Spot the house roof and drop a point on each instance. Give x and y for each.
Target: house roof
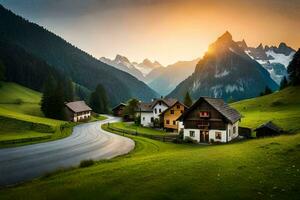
(172, 107)
(78, 106)
(120, 104)
(220, 105)
(147, 107)
(169, 102)
(269, 125)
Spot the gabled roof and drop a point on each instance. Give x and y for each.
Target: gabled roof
(147, 107)
(168, 102)
(269, 125)
(78, 106)
(120, 104)
(223, 108)
(172, 107)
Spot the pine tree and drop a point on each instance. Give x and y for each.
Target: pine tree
(294, 69)
(130, 109)
(98, 100)
(2, 71)
(188, 100)
(283, 83)
(47, 103)
(68, 89)
(53, 99)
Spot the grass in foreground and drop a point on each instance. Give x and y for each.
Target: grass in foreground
(256, 169)
(136, 128)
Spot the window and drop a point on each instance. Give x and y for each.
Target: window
(192, 133)
(155, 110)
(218, 135)
(167, 121)
(178, 106)
(181, 111)
(159, 103)
(174, 122)
(204, 114)
(152, 119)
(143, 118)
(172, 112)
(234, 130)
(159, 110)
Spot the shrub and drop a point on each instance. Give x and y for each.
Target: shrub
(190, 140)
(86, 163)
(19, 101)
(276, 103)
(212, 140)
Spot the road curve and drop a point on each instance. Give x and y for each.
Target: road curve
(88, 141)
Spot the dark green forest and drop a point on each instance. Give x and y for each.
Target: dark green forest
(81, 67)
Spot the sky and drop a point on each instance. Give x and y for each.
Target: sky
(162, 30)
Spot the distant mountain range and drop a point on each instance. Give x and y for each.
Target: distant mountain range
(165, 79)
(274, 59)
(138, 70)
(162, 79)
(84, 69)
(226, 71)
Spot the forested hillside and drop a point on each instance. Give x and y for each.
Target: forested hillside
(80, 66)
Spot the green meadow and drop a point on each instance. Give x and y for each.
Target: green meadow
(267, 168)
(21, 120)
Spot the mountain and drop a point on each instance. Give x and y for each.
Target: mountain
(169, 77)
(123, 63)
(147, 66)
(226, 71)
(274, 59)
(24, 68)
(84, 69)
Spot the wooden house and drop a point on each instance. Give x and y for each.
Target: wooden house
(211, 120)
(170, 116)
(118, 110)
(78, 111)
(150, 112)
(268, 129)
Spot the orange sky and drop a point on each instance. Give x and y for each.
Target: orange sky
(166, 31)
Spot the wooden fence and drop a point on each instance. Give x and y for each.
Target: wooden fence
(163, 138)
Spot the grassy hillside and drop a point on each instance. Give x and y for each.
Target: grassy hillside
(282, 107)
(21, 118)
(255, 169)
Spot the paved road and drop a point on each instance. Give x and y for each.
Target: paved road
(88, 141)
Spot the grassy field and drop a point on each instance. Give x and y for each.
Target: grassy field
(282, 107)
(136, 128)
(21, 118)
(255, 169)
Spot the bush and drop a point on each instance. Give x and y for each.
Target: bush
(277, 103)
(190, 140)
(19, 101)
(212, 140)
(86, 163)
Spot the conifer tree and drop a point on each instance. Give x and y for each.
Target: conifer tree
(294, 69)
(283, 83)
(98, 100)
(188, 100)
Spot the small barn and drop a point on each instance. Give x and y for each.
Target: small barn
(119, 109)
(268, 129)
(78, 111)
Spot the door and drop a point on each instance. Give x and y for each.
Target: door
(204, 136)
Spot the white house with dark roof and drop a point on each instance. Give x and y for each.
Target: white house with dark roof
(150, 112)
(78, 111)
(210, 120)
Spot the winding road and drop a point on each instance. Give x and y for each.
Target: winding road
(88, 141)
